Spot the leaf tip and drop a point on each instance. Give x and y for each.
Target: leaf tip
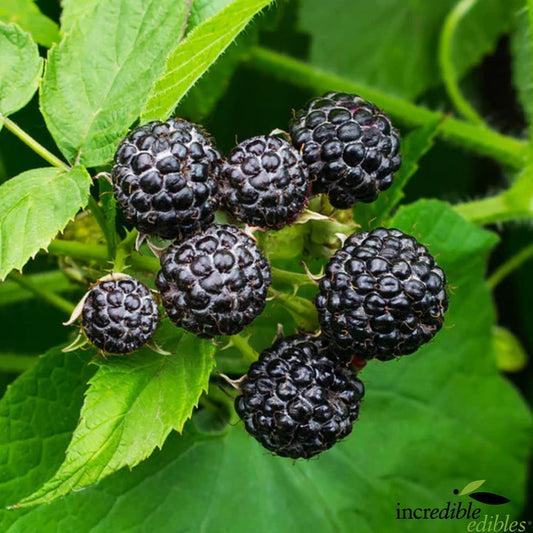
(472, 486)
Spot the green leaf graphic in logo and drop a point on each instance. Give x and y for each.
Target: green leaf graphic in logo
(471, 487)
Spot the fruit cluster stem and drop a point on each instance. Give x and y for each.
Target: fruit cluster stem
(124, 250)
(48, 156)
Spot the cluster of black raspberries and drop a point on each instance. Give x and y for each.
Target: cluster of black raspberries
(382, 294)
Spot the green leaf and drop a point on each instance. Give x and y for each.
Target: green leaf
(34, 206)
(27, 15)
(131, 406)
(521, 62)
(471, 487)
(20, 68)
(376, 58)
(510, 354)
(202, 10)
(422, 432)
(196, 54)
(414, 146)
(74, 10)
(97, 79)
(37, 416)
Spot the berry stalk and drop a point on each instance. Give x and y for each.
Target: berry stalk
(50, 297)
(99, 253)
(293, 279)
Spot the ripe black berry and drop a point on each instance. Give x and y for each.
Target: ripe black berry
(165, 178)
(297, 400)
(264, 182)
(350, 146)
(382, 295)
(119, 316)
(214, 283)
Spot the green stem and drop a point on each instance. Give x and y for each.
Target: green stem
(506, 150)
(510, 266)
(55, 281)
(99, 216)
(447, 68)
(124, 250)
(490, 210)
(284, 277)
(244, 347)
(33, 144)
(16, 363)
(46, 295)
(301, 309)
(78, 250)
(108, 206)
(94, 252)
